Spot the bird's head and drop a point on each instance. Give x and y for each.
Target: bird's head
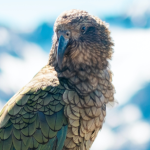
(81, 41)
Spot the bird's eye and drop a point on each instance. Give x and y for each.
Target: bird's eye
(83, 29)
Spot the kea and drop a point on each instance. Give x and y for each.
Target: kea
(63, 107)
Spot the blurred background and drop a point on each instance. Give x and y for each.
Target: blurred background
(26, 30)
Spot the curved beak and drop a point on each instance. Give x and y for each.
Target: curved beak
(61, 50)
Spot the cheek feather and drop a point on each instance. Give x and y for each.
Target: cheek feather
(75, 35)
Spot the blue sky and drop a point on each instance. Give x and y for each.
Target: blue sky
(21, 14)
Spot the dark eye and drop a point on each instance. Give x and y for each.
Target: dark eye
(83, 29)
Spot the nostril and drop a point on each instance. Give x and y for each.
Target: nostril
(67, 33)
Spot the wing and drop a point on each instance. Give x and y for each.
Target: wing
(34, 117)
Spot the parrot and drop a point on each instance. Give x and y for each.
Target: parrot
(64, 106)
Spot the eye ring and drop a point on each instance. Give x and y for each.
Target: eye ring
(83, 29)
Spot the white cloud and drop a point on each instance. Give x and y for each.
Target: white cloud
(17, 72)
(104, 140)
(136, 134)
(130, 61)
(139, 133)
(138, 8)
(4, 36)
(20, 14)
(130, 114)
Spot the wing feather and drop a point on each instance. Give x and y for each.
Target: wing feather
(34, 117)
